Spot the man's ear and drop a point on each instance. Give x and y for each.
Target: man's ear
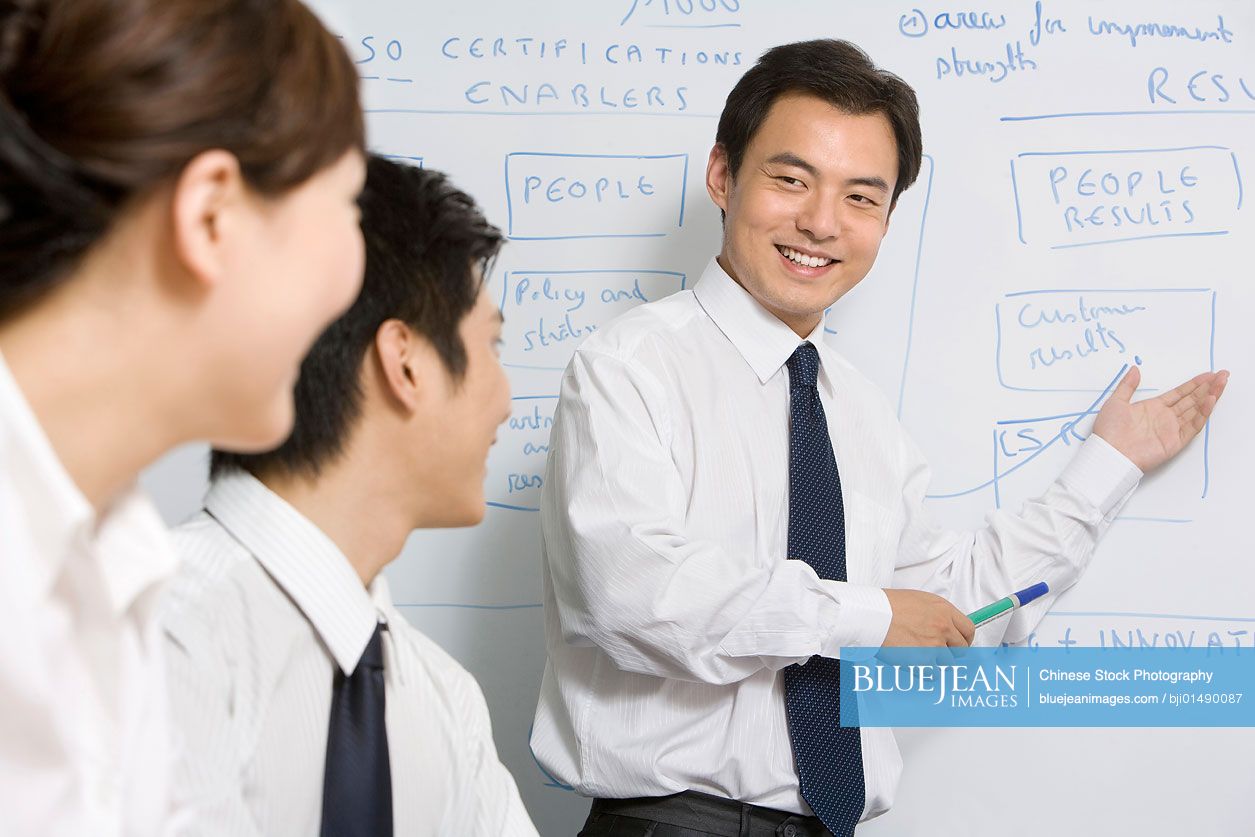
(402, 362)
(207, 196)
(718, 176)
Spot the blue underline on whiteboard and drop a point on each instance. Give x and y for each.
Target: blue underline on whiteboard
(531, 397)
(568, 237)
(466, 112)
(1087, 411)
(1039, 419)
(1109, 291)
(494, 505)
(1122, 151)
(1137, 238)
(528, 606)
(919, 254)
(542, 368)
(1193, 617)
(692, 26)
(1078, 391)
(1035, 117)
(1155, 519)
(595, 270)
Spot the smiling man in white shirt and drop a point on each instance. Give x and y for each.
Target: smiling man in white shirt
(705, 558)
(307, 704)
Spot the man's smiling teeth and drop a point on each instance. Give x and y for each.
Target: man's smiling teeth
(806, 261)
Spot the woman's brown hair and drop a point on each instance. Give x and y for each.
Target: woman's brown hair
(102, 101)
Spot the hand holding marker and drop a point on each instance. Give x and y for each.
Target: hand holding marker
(1002, 607)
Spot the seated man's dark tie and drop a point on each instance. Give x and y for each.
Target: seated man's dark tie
(357, 785)
(829, 757)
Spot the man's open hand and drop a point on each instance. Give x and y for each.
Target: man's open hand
(1152, 431)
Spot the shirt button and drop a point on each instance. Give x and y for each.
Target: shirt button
(790, 830)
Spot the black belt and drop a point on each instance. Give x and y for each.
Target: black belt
(714, 815)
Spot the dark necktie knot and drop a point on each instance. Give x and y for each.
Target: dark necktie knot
(803, 367)
(372, 656)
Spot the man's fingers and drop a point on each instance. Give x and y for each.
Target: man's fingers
(1128, 385)
(961, 631)
(1219, 383)
(1172, 396)
(1191, 398)
(966, 629)
(1202, 398)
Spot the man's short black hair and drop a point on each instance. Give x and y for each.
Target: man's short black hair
(423, 236)
(839, 73)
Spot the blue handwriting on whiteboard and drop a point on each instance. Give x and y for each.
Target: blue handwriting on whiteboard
(547, 335)
(1133, 31)
(1031, 316)
(689, 10)
(996, 69)
(548, 292)
(560, 188)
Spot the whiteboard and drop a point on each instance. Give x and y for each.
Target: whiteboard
(1083, 201)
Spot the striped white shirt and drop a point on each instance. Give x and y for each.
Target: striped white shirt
(263, 611)
(670, 606)
(84, 740)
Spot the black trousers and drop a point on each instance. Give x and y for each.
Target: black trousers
(692, 814)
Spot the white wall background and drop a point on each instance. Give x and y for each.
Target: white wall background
(993, 242)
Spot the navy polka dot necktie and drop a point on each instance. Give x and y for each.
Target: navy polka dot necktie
(357, 782)
(829, 757)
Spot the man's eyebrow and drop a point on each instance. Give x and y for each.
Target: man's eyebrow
(500, 317)
(874, 182)
(788, 158)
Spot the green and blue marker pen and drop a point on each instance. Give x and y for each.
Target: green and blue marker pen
(1002, 607)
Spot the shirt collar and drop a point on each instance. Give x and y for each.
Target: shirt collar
(134, 551)
(128, 542)
(763, 340)
(56, 512)
(304, 563)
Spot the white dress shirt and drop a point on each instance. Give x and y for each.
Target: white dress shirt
(669, 603)
(84, 745)
(263, 611)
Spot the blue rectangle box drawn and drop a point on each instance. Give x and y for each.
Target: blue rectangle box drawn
(1067, 199)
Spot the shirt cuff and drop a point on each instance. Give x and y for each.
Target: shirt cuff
(862, 620)
(1101, 474)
